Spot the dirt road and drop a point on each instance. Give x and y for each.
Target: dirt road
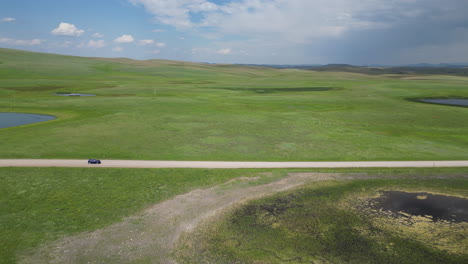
(227, 164)
(150, 236)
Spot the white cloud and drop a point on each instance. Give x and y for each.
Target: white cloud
(66, 29)
(176, 12)
(18, 42)
(7, 19)
(224, 51)
(313, 27)
(98, 35)
(146, 42)
(35, 42)
(97, 44)
(293, 21)
(155, 51)
(117, 49)
(160, 44)
(124, 39)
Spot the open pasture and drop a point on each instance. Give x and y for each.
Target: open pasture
(337, 222)
(43, 205)
(169, 110)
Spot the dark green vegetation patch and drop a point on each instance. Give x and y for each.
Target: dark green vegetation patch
(283, 90)
(315, 225)
(34, 88)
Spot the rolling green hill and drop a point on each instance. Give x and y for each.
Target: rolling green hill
(172, 110)
(394, 70)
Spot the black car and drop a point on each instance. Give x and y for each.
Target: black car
(94, 161)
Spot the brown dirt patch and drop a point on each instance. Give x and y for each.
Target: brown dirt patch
(149, 236)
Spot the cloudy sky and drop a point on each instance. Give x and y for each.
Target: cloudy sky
(358, 32)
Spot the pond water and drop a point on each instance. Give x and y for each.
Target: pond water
(18, 119)
(458, 102)
(74, 94)
(437, 207)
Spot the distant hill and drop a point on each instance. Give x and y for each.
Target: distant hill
(27, 62)
(458, 69)
(440, 65)
(305, 66)
(39, 63)
(283, 66)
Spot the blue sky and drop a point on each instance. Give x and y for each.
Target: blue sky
(243, 31)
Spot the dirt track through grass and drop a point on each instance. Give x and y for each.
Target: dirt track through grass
(149, 237)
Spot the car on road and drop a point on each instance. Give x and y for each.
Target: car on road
(94, 161)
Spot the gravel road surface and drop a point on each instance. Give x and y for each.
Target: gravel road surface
(227, 164)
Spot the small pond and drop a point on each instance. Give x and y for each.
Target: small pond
(437, 207)
(73, 94)
(457, 102)
(18, 119)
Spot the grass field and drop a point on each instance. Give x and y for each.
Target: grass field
(172, 110)
(169, 110)
(314, 224)
(38, 205)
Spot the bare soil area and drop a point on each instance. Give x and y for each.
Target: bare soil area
(149, 237)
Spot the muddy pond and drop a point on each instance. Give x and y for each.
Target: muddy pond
(18, 119)
(455, 102)
(433, 206)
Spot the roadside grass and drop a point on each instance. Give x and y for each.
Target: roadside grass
(42, 204)
(38, 205)
(170, 110)
(311, 225)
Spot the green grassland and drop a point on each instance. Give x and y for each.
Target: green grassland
(38, 205)
(170, 110)
(314, 224)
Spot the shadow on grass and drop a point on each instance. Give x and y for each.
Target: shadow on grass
(309, 225)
